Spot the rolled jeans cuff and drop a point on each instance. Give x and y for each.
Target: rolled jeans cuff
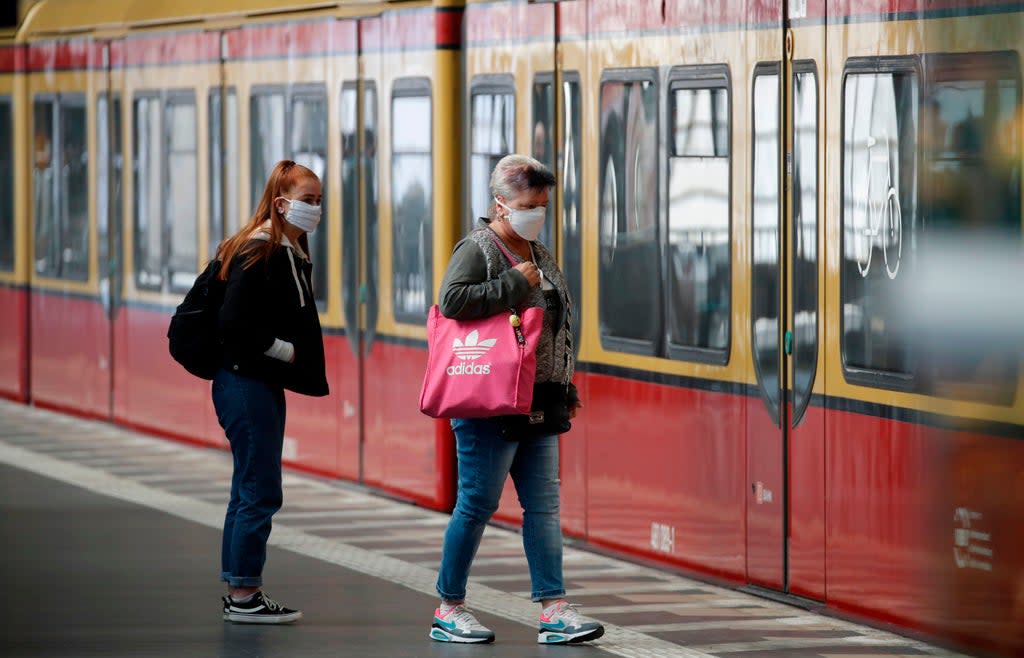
(547, 594)
(245, 581)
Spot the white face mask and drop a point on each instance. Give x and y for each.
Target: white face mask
(526, 223)
(302, 215)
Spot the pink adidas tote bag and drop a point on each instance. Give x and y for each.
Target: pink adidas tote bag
(480, 368)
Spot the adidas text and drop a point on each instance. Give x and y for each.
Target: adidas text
(470, 369)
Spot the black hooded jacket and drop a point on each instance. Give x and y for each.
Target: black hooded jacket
(273, 299)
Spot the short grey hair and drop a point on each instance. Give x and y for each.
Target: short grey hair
(515, 174)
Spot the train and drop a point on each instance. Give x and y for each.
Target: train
(743, 189)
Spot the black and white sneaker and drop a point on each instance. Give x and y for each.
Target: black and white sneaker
(260, 609)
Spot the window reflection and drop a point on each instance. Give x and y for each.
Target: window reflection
(61, 188)
(182, 179)
(542, 135)
(879, 215)
(765, 275)
(970, 137)
(571, 211)
(492, 135)
(412, 216)
(148, 194)
(266, 139)
(805, 238)
(630, 305)
(698, 218)
(44, 190)
(308, 141)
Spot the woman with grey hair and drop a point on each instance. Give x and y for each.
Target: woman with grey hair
(497, 267)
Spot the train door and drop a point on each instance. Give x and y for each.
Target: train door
(785, 459)
(360, 196)
(69, 328)
(109, 206)
(510, 100)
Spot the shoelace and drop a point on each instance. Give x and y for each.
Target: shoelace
(570, 613)
(271, 603)
(461, 615)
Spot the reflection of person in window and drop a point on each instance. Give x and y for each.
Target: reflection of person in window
(541, 143)
(42, 188)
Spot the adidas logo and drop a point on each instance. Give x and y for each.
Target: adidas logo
(473, 348)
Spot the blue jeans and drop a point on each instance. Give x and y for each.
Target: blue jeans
(252, 414)
(485, 460)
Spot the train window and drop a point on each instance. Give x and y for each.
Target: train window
(542, 139)
(359, 165)
(371, 194)
(44, 189)
(698, 244)
(266, 138)
(970, 135)
(630, 308)
(116, 228)
(764, 285)
(74, 189)
(181, 167)
(308, 121)
(232, 200)
(215, 230)
(7, 238)
(61, 188)
(350, 206)
(880, 170)
(411, 199)
(292, 124)
(570, 176)
(492, 136)
(149, 237)
(805, 234)
(104, 186)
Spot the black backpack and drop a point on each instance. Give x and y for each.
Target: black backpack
(192, 336)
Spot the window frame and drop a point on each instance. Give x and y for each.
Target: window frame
(701, 76)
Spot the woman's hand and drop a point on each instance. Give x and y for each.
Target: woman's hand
(530, 271)
(575, 408)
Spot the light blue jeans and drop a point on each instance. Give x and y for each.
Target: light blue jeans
(485, 460)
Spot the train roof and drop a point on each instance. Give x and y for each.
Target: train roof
(47, 19)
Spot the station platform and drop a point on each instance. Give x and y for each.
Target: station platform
(111, 544)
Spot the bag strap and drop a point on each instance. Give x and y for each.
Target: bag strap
(503, 249)
(520, 338)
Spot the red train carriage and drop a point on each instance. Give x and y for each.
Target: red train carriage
(744, 191)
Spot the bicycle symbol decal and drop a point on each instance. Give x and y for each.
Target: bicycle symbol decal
(885, 222)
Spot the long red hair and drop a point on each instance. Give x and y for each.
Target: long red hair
(283, 178)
